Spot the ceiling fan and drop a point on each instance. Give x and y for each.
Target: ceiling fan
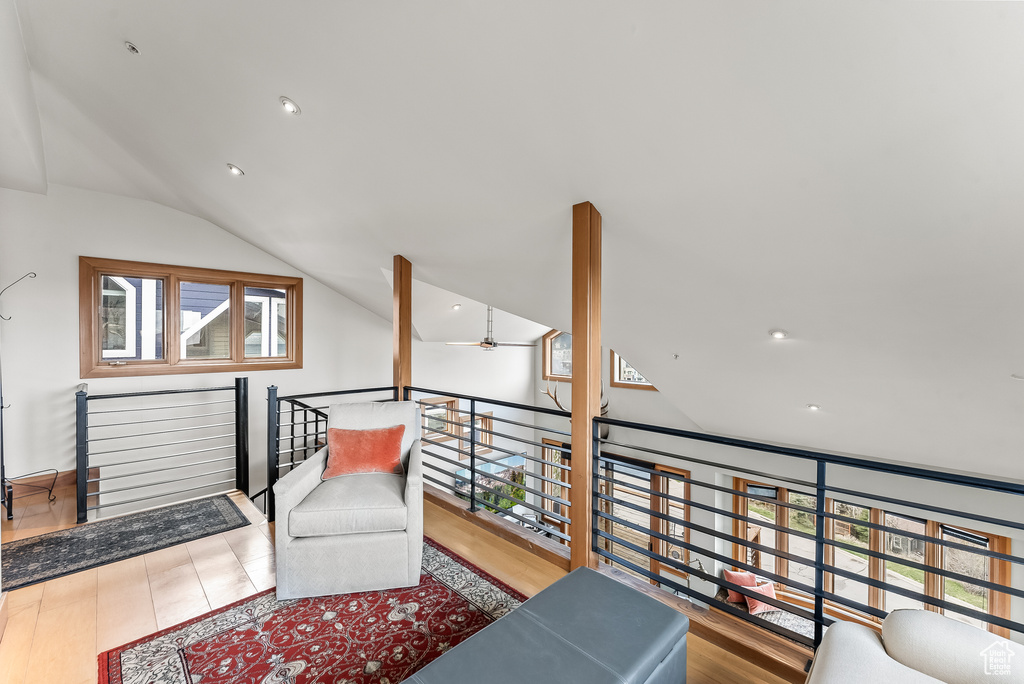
(488, 343)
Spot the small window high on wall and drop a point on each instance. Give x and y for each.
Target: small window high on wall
(624, 375)
(557, 347)
(150, 319)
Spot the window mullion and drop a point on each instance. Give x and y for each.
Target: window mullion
(876, 566)
(172, 318)
(237, 310)
(933, 584)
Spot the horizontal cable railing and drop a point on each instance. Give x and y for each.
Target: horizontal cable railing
(835, 537)
(510, 459)
(152, 462)
(297, 428)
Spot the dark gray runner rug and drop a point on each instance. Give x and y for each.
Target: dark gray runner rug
(48, 556)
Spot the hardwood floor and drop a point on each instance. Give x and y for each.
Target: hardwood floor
(56, 629)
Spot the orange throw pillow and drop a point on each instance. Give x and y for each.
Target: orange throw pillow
(754, 606)
(364, 451)
(744, 579)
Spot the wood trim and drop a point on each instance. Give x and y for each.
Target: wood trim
(876, 566)
(466, 430)
(545, 352)
(402, 323)
(663, 505)
(932, 558)
(3, 613)
(451, 414)
(586, 375)
(547, 470)
(540, 546)
(999, 573)
(613, 376)
(90, 365)
(766, 650)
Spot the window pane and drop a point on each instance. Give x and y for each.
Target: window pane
(847, 531)
(561, 355)
(205, 321)
(675, 488)
(626, 373)
(626, 479)
(896, 573)
(804, 521)
(266, 329)
(131, 318)
(761, 510)
(966, 563)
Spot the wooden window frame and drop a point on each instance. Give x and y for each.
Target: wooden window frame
(613, 375)
(998, 570)
(91, 270)
(546, 373)
(662, 505)
(486, 438)
(451, 415)
(548, 470)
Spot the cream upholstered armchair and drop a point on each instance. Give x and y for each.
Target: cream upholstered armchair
(356, 532)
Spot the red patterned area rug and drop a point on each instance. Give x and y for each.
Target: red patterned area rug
(378, 637)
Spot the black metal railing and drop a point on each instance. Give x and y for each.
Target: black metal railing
(838, 537)
(160, 444)
(498, 457)
(297, 428)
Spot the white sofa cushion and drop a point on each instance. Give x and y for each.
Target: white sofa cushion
(853, 654)
(942, 647)
(351, 504)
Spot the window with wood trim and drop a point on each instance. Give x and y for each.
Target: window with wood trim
(875, 531)
(554, 457)
(150, 319)
(441, 418)
(557, 353)
(624, 375)
(480, 434)
(675, 492)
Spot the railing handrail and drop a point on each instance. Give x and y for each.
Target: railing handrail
(154, 393)
(309, 395)
(493, 402)
(807, 454)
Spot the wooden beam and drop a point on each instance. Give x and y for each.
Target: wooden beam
(402, 323)
(586, 376)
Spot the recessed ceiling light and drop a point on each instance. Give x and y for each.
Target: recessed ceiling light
(778, 334)
(456, 307)
(130, 47)
(290, 106)
(813, 407)
(235, 170)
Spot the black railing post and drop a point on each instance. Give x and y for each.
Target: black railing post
(242, 435)
(406, 393)
(472, 455)
(82, 452)
(273, 413)
(595, 484)
(819, 555)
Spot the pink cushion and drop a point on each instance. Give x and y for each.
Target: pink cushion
(364, 451)
(754, 606)
(744, 579)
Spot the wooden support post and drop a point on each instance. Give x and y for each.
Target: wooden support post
(586, 376)
(402, 324)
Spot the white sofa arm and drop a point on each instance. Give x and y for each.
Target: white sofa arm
(295, 486)
(853, 654)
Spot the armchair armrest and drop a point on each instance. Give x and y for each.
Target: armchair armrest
(295, 486)
(414, 472)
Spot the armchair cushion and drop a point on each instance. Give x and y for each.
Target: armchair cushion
(364, 451)
(351, 504)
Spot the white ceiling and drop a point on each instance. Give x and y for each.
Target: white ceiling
(850, 171)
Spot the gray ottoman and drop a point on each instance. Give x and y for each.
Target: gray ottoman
(586, 627)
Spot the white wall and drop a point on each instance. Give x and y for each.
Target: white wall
(344, 345)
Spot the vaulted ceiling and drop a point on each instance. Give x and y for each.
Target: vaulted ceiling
(848, 171)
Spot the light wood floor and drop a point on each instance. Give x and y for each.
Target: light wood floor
(56, 629)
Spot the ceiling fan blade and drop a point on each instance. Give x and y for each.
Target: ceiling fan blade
(513, 344)
(464, 344)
